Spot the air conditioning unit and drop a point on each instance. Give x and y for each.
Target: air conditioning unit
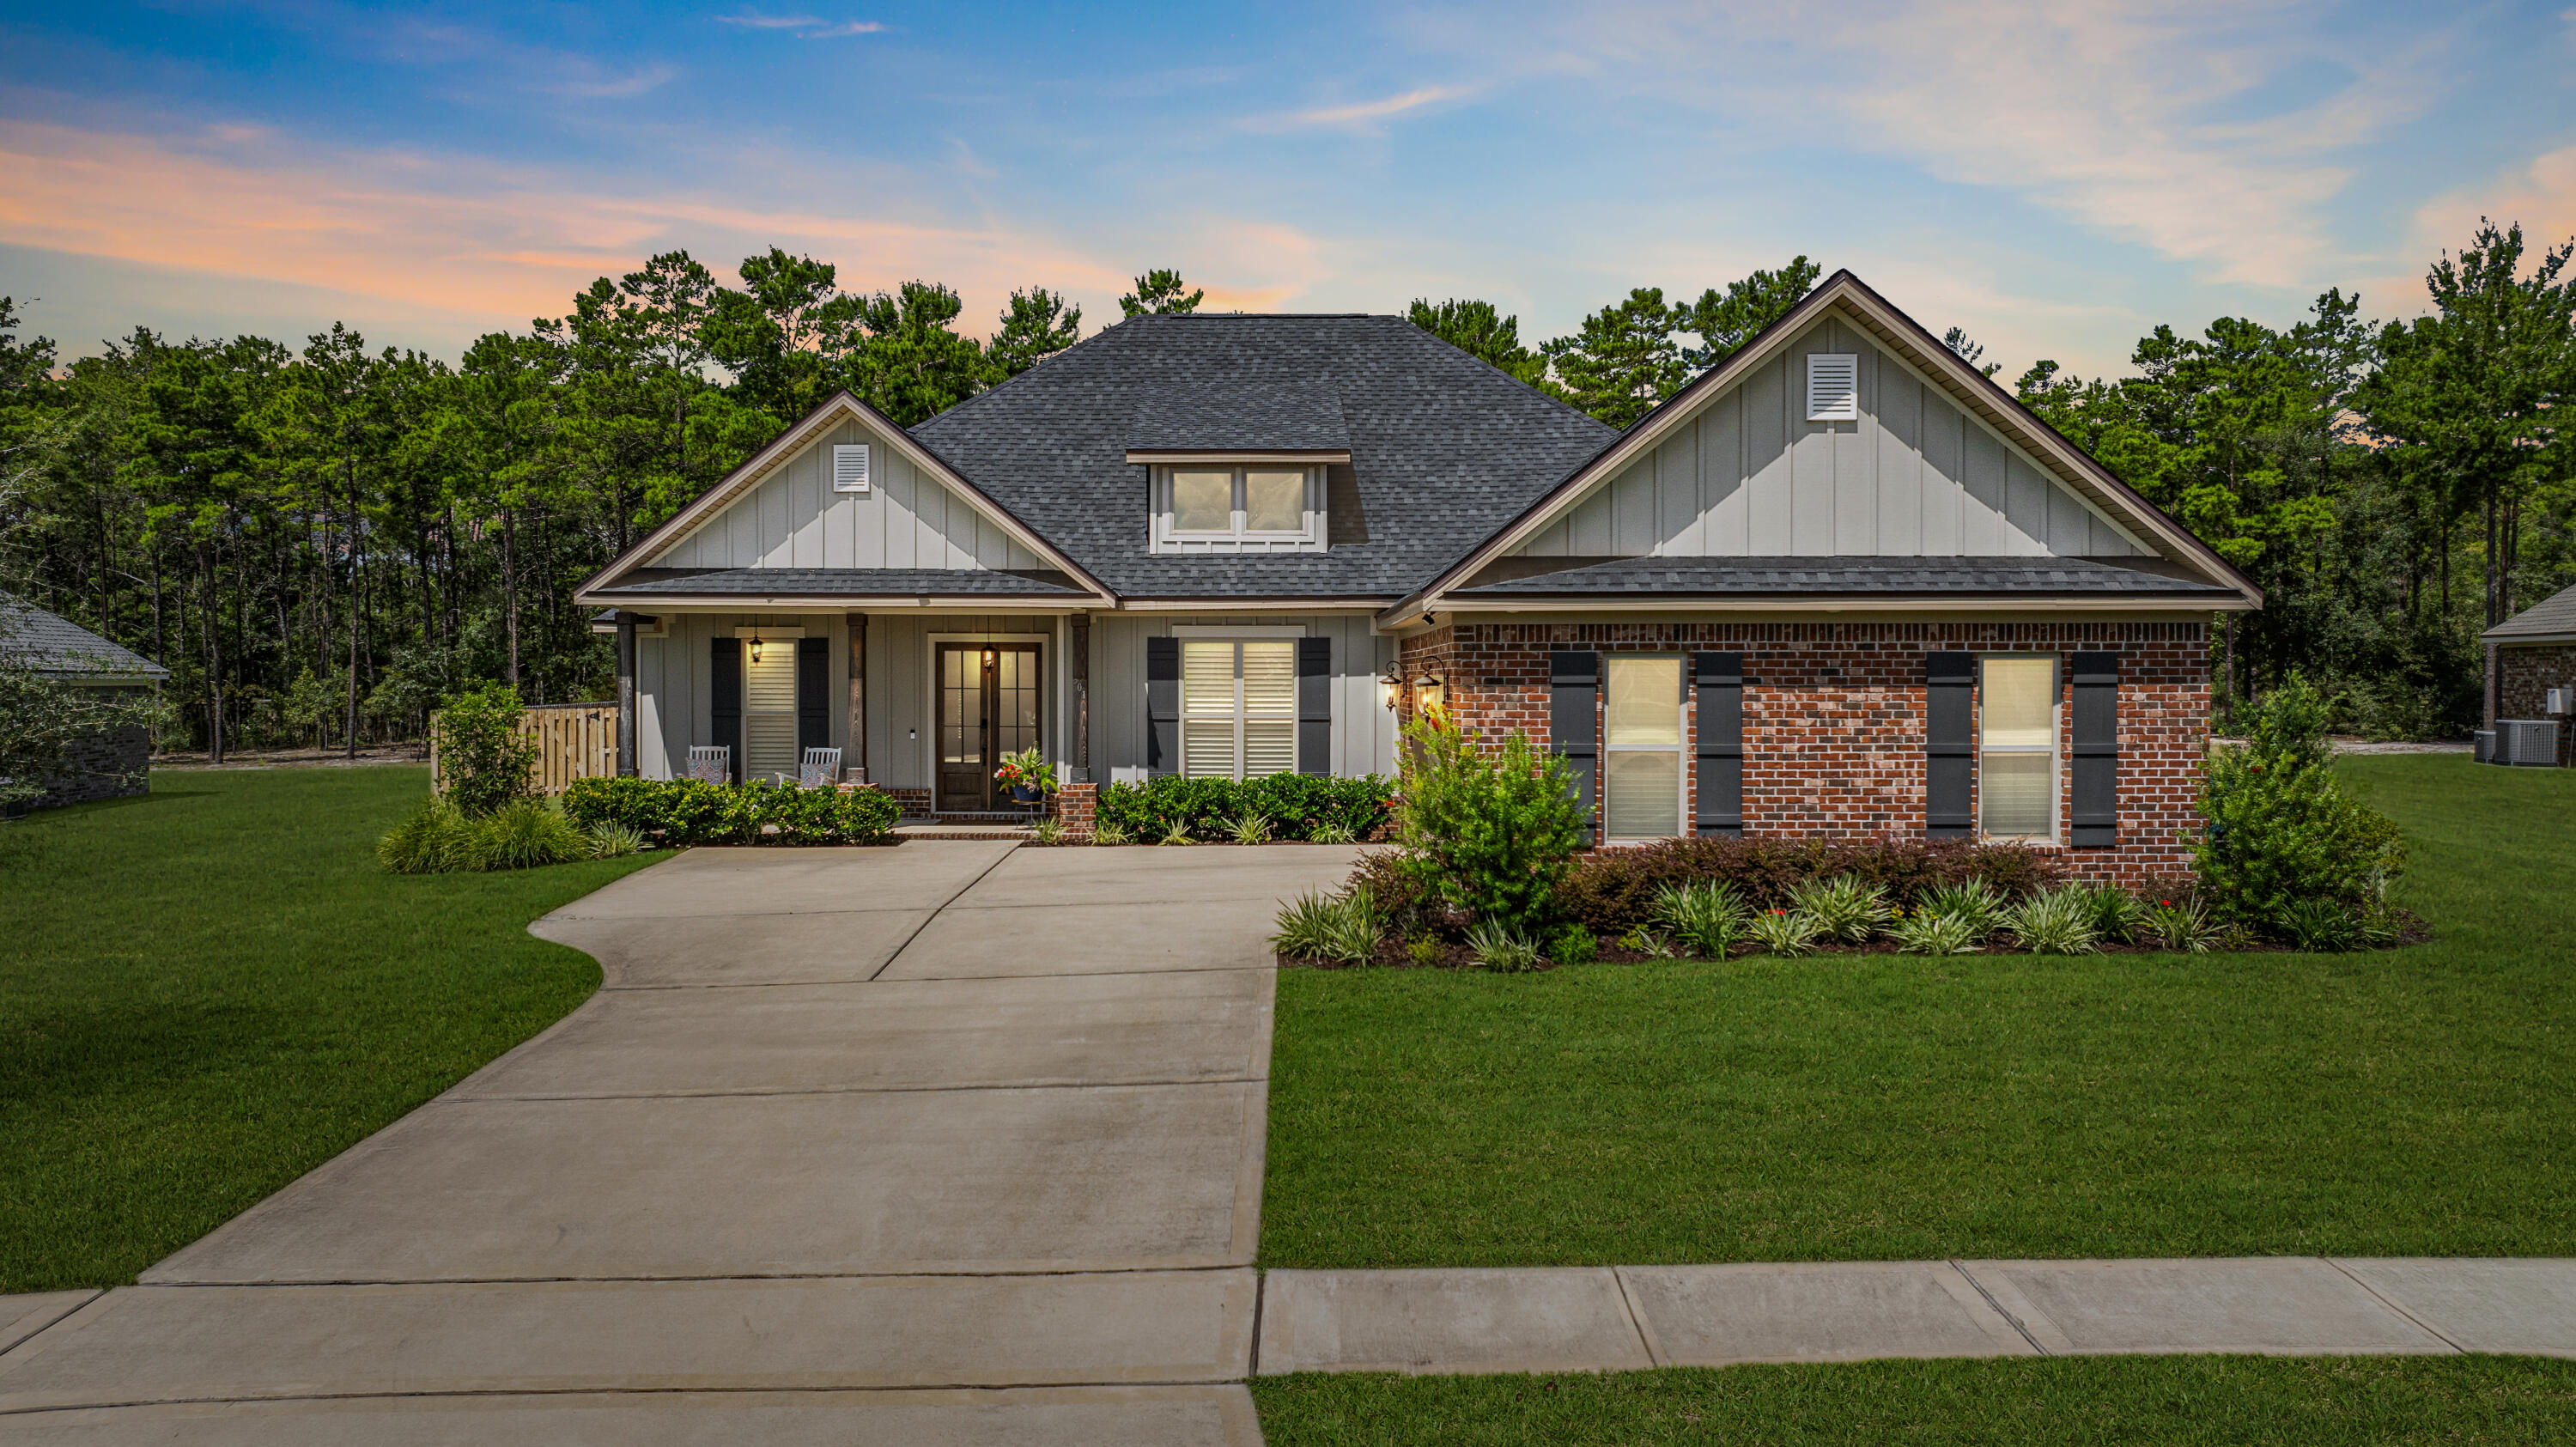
(2529, 742)
(2482, 741)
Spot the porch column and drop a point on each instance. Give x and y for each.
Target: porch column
(1080, 771)
(625, 694)
(858, 624)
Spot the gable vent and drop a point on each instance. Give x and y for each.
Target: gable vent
(849, 467)
(1833, 387)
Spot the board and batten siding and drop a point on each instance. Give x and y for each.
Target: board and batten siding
(1749, 476)
(1364, 729)
(793, 519)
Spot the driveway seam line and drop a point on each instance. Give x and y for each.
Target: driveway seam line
(851, 1090)
(1998, 1307)
(939, 908)
(1070, 1386)
(2402, 1312)
(1636, 1319)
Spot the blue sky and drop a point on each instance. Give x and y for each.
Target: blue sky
(2055, 178)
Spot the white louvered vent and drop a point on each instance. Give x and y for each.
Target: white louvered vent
(1833, 387)
(849, 467)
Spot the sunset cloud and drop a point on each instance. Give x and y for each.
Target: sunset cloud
(1364, 113)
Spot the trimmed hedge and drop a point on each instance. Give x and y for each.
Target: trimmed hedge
(1295, 804)
(693, 811)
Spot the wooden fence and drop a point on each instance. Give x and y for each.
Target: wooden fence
(574, 741)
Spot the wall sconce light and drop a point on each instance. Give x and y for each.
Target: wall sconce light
(755, 647)
(1391, 687)
(1430, 690)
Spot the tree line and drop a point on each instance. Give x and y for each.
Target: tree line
(322, 543)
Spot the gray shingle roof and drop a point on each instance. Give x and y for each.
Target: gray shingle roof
(55, 645)
(1269, 417)
(2551, 617)
(858, 582)
(1443, 447)
(1749, 577)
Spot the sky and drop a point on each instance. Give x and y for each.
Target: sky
(2057, 179)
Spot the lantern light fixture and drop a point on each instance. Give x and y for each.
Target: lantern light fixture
(1391, 687)
(755, 647)
(1430, 691)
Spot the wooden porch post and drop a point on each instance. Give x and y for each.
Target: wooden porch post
(1080, 772)
(625, 694)
(858, 624)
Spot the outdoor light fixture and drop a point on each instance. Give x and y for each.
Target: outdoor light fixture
(1391, 687)
(755, 648)
(1430, 690)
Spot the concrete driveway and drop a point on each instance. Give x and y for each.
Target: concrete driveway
(850, 1140)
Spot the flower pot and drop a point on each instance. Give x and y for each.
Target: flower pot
(1025, 794)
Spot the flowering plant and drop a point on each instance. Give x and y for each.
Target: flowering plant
(1025, 770)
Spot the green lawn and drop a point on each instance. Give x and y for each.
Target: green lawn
(2202, 1401)
(2412, 1101)
(207, 992)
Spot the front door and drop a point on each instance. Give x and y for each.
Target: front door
(988, 707)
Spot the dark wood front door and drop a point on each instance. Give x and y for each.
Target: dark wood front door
(988, 707)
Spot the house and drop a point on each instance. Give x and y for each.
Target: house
(1840, 585)
(2529, 655)
(107, 765)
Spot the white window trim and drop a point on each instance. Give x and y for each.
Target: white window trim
(1166, 531)
(1239, 715)
(1680, 748)
(1235, 630)
(2055, 749)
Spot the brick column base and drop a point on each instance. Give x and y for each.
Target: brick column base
(1076, 805)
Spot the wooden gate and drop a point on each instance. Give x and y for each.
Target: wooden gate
(574, 741)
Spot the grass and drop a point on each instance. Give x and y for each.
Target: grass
(2203, 1401)
(1886, 1107)
(208, 991)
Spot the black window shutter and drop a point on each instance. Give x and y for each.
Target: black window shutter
(1574, 723)
(1721, 742)
(1163, 705)
(724, 700)
(813, 694)
(1949, 745)
(2096, 750)
(1314, 705)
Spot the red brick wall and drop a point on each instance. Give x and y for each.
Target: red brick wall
(1833, 715)
(1077, 805)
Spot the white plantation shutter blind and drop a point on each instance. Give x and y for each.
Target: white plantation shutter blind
(2019, 710)
(1269, 708)
(849, 467)
(1833, 387)
(1641, 775)
(769, 709)
(2017, 747)
(1207, 710)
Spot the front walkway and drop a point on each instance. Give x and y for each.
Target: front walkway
(849, 1140)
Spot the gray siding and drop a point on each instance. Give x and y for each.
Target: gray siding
(1748, 475)
(1363, 727)
(793, 519)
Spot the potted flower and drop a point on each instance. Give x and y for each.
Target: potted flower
(1031, 780)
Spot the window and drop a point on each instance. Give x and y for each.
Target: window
(1268, 503)
(1642, 768)
(2017, 747)
(769, 705)
(1238, 708)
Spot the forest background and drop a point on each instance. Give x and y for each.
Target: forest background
(322, 543)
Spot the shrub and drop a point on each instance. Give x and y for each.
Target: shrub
(1785, 932)
(1490, 835)
(1109, 834)
(2117, 915)
(1843, 907)
(613, 840)
(2059, 922)
(1305, 926)
(1176, 832)
(2322, 926)
(1250, 829)
(1972, 902)
(1297, 805)
(1049, 830)
(1706, 916)
(1331, 833)
(2281, 829)
(1926, 933)
(483, 763)
(1648, 943)
(432, 839)
(1503, 949)
(2177, 923)
(694, 811)
(525, 834)
(1574, 945)
(1616, 888)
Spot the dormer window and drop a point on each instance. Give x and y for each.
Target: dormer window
(1246, 507)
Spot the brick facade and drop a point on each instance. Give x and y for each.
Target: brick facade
(111, 764)
(1834, 715)
(2522, 672)
(1077, 805)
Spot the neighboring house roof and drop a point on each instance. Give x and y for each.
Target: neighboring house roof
(2551, 620)
(905, 584)
(57, 647)
(1804, 578)
(1441, 446)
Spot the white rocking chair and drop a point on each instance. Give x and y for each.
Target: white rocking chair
(712, 763)
(820, 769)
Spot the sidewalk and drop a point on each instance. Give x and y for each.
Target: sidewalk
(1557, 1319)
